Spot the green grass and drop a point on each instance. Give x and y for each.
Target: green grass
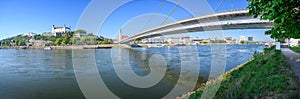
(267, 75)
(296, 49)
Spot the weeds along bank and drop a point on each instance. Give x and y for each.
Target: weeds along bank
(266, 75)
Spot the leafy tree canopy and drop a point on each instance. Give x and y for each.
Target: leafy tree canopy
(58, 41)
(284, 13)
(80, 31)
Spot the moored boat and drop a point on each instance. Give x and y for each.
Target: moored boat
(47, 48)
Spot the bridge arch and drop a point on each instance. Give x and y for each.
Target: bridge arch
(238, 19)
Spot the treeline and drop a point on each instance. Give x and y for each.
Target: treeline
(248, 42)
(18, 40)
(66, 39)
(90, 39)
(218, 41)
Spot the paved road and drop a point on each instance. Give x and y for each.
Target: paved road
(293, 59)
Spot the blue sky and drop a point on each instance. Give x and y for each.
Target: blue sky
(22, 16)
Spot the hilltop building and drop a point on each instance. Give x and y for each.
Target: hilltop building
(57, 31)
(30, 34)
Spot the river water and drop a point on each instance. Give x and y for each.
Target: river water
(49, 74)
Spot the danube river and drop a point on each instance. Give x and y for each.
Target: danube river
(49, 74)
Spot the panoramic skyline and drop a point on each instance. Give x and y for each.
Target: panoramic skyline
(18, 17)
(132, 49)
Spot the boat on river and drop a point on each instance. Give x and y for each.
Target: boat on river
(47, 48)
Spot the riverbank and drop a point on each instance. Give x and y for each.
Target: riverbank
(68, 47)
(266, 75)
(99, 46)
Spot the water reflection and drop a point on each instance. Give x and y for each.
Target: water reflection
(49, 73)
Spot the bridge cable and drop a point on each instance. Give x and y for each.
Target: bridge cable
(148, 21)
(151, 18)
(219, 5)
(172, 11)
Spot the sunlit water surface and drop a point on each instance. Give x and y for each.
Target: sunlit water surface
(49, 74)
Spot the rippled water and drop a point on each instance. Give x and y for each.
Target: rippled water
(46, 74)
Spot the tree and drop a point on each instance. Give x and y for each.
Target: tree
(58, 41)
(137, 41)
(218, 41)
(5, 43)
(105, 42)
(38, 37)
(82, 41)
(80, 31)
(242, 42)
(50, 38)
(72, 40)
(69, 34)
(21, 43)
(65, 40)
(92, 40)
(90, 34)
(17, 42)
(284, 13)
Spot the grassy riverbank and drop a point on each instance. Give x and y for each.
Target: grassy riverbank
(296, 49)
(267, 75)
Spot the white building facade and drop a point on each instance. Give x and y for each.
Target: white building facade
(30, 34)
(56, 31)
(294, 42)
(242, 38)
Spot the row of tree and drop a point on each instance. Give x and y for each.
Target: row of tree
(66, 39)
(69, 39)
(18, 40)
(90, 39)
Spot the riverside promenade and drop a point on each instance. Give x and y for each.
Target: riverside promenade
(293, 59)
